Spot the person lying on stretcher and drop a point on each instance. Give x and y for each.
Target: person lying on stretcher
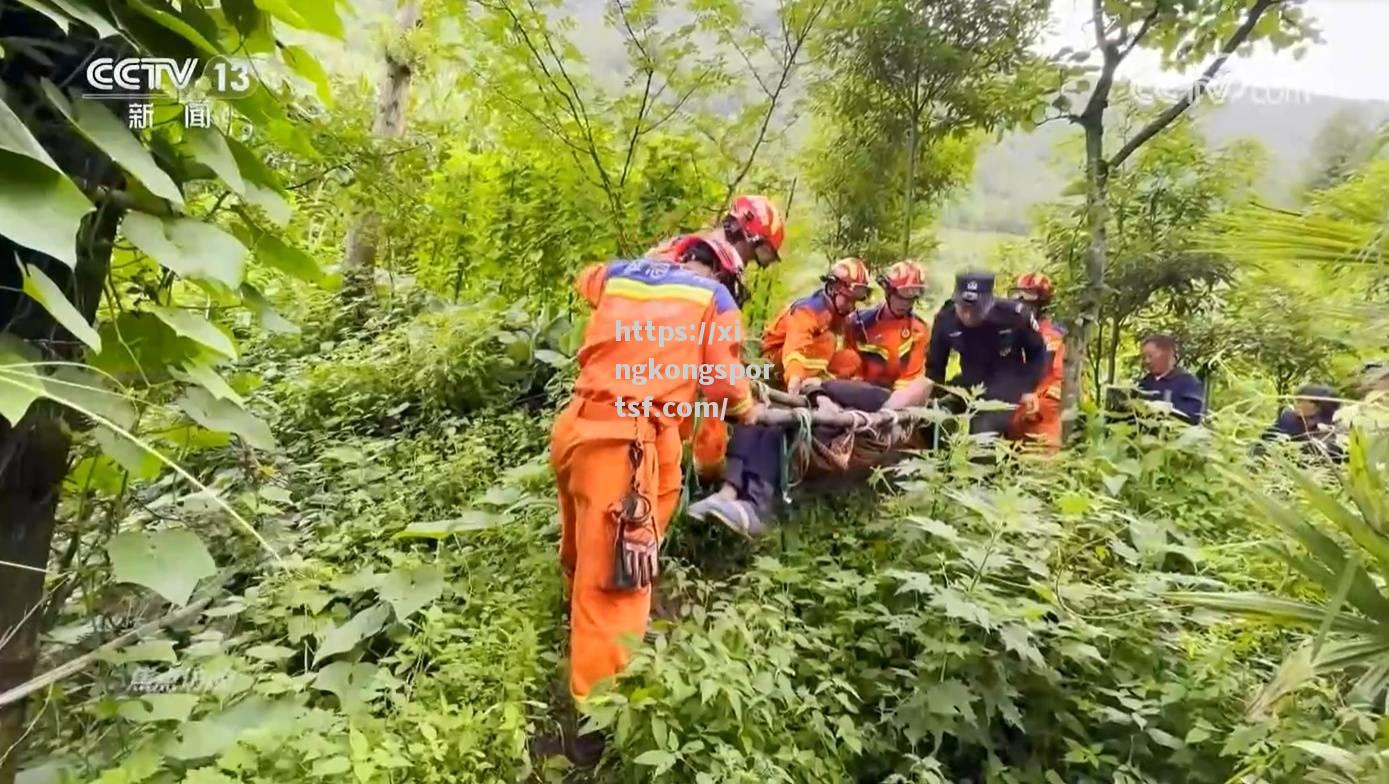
(881, 367)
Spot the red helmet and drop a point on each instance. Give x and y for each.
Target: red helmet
(759, 221)
(850, 273)
(1034, 286)
(725, 256)
(906, 278)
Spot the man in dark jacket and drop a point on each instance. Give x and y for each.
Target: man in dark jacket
(1309, 422)
(999, 345)
(1167, 382)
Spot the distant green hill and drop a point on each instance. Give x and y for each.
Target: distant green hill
(1025, 169)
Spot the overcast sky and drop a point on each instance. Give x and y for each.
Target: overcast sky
(1353, 61)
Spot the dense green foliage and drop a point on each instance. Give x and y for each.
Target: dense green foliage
(338, 520)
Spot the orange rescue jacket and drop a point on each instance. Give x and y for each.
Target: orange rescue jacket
(1054, 335)
(803, 338)
(892, 351)
(614, 363)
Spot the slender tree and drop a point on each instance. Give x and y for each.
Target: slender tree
(1186, 32)
(915, 70)
(359, 259)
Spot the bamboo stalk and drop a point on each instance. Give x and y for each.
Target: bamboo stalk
(81, 662)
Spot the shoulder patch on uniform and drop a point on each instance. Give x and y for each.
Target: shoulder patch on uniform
(813, 301)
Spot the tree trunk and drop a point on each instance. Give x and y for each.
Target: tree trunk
(1114, 351)
(1096, 217)
(34, 451)
(913, 140)
(33, 461)
(359, 260)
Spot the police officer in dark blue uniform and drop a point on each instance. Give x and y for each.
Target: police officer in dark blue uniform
(999, 345)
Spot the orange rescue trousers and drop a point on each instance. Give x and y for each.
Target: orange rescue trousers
(589, 450)
(710, 444)
(1043, 431)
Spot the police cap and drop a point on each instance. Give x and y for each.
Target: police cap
(974, 286)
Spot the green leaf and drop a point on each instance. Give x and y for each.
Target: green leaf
(319, 16)
(20, 381)
(84, 12)
(263, 187)
(655, 758)
(149, 650)
(1073, 504)
(189, 247)
(1164, 738)
(935, 528)
(270, 652)
(209, 147)
(357, 582)
(44, 291)
(1334, 755)
(194, 327)
(331, 766)
(304, 64)
(360, 626)
(211, 736)
(169, 562)
(1375, 543)
(211, 775)
(957, 605)
(353, 684)
(101, 128)
(1275, 609)
(205, 376)
(284, 257)
(409, 589)
(58, 17)
(176, 25)
(226, 417)
(140, 464)
(15, 138)
(270, 319)
(158, 707)
(87, 391)
(950, 697)
(1018, 639)
(470, 520)
(40, 208)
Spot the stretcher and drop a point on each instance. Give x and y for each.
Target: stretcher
(828, 443)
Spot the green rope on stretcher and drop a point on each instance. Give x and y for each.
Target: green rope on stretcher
(804, 438)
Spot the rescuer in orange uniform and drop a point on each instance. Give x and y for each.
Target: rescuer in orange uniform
(618, 473)
(1044, 426)
(753, 226)
(801, 342)
(890, 340)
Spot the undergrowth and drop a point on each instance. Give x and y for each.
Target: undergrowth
(957, 621)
